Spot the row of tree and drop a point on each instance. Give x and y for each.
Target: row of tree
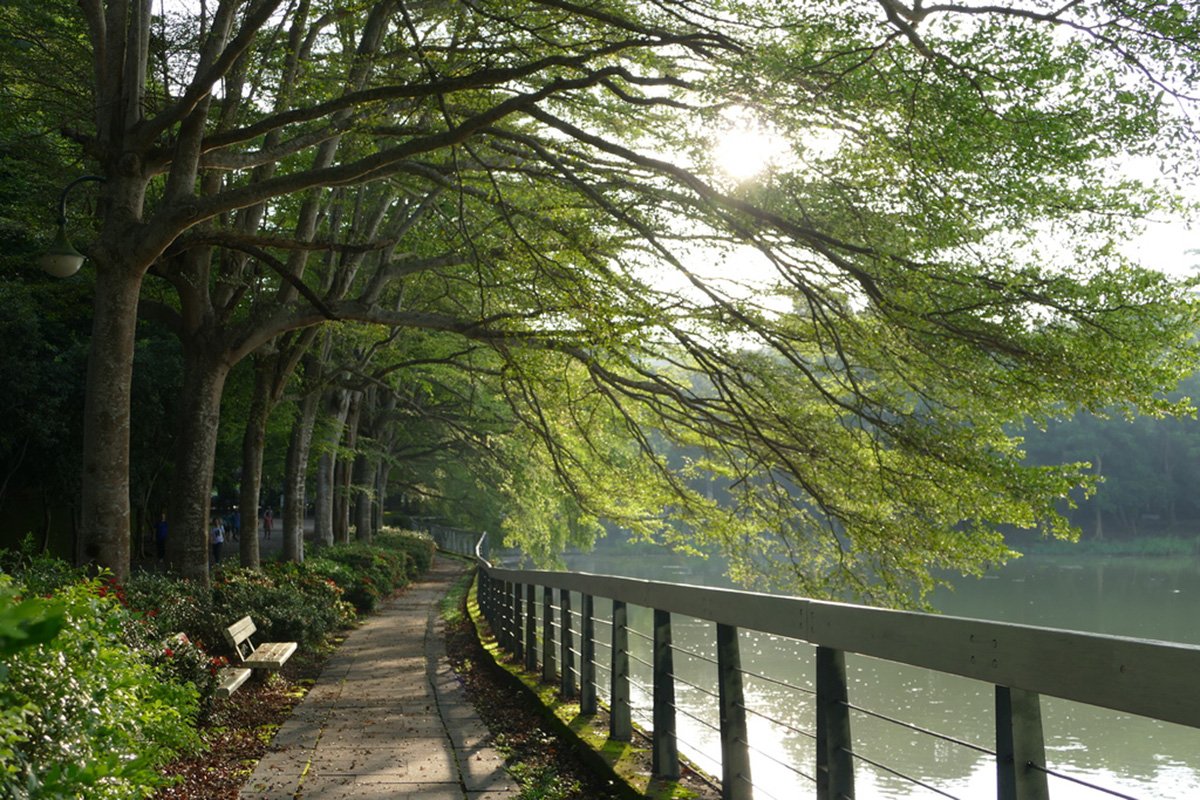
(481, 250)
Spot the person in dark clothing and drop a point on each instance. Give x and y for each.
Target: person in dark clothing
(217, 538)
(160, 537)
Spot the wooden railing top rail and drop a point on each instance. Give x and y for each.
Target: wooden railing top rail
(1138, 676)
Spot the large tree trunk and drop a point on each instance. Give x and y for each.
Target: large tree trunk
(253, 444)
(344, 473)
(104, 501)
(191, 483)
(338, 402)
(323, 511)
(381, 481)
(296, 474)
(364, 497)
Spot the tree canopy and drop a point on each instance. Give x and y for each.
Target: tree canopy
(532, 184)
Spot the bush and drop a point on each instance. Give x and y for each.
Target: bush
(94, 720)
(287, 602)
(170, 605)
(417, 545)
(377, 572)
(104, 683)
(39, 574)
(182, 660)
(358, 590)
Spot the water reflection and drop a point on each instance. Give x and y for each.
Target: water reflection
(1132, 755)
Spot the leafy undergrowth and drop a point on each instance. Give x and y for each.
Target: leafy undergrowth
(239, 730)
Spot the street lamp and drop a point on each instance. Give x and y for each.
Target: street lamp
(62, 260)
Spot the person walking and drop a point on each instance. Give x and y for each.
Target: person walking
(160, 537)
(268, 518)
(217, 538)
(235, 524)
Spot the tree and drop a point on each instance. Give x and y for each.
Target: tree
(934, 150)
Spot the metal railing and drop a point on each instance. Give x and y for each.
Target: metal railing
(1148, 678)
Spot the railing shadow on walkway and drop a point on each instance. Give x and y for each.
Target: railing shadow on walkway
(1143, 677)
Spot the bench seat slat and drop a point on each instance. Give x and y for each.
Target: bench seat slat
(271, 655)
(229, 679)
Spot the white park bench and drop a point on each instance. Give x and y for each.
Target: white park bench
(268, 655)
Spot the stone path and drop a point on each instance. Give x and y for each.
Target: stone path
(388, 717)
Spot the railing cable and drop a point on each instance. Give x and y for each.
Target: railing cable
(757, 789)
(919, 729)
(785, 725)
(680, 710)
(777, 761)
(777, 682)
(900, 775)
(691, 685)
(1081, 782)
(692, 654)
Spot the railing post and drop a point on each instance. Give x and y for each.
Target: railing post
(491, 611)
(587, 655)
(518, 644)
(835, 765)
(530, 629)
(566, 658)
(665, 751)
(548, 671)
(735, 740)
(620, 721)
(1019, 745)
(484, 586)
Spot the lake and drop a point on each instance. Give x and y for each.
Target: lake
(1137, 757)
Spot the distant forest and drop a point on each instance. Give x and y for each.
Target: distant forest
(1150, 469)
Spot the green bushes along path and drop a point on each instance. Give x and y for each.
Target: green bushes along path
(101, 684)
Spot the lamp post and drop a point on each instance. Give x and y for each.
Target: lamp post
(62, 260)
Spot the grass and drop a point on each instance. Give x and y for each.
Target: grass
(627, 762)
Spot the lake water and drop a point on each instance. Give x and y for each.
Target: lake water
(1137, 757)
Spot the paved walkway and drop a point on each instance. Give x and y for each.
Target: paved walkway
(388, 718)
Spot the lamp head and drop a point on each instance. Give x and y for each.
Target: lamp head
(61, 259)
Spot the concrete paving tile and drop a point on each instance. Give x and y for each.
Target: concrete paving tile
(388, 718)
(469, 736)
(401, 728)
(327, 789)
(484, 771)
(356, 761)
(296, 733)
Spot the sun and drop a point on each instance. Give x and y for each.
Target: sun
(743, 150)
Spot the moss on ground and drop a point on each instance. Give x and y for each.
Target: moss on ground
(628, 763)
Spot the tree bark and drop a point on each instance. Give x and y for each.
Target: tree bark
(338, 402)
(364, 497)
(344, 473)
(294, 481)
(191, 483)
(381, 482)
(104, 501)
(253, 443)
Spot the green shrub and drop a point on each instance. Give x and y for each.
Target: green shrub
(380, 571)
(39, 574)
(358, 590)
(418, 545)
(286, 601)
(368, 573)
(182, 660)
(171, 605)
(94, 720)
